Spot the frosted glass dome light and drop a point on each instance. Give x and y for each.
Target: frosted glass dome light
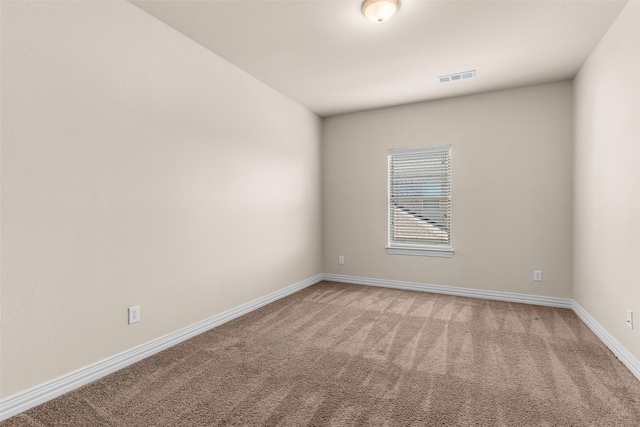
(379, 11)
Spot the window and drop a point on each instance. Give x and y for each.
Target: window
(420, 201)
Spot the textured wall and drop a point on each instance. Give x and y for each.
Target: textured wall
(138, 169)
(607, 180)
(511, 194)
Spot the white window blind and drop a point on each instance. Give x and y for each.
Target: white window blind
(420, 200)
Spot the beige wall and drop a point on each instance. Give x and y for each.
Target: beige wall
(138, 169)
(511, 176)
(607, 180)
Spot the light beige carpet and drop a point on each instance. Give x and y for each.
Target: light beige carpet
(348, 355)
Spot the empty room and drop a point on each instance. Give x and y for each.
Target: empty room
(320, 213)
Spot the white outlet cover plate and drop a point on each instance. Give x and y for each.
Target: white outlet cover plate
(134, 314)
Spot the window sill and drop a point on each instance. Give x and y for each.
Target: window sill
(435, 251)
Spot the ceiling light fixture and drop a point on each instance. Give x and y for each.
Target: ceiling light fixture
(379, 11)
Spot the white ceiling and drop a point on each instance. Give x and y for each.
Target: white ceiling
(327, 56)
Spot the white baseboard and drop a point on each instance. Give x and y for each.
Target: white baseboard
(450, 290)
(23, 401)
(28, 399)
(621, 353)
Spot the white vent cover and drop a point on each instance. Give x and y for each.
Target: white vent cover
(457, 76)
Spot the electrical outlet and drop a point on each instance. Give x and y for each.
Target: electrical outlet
(134, 314)
(630, 319)
(341, 259)
(537, 276)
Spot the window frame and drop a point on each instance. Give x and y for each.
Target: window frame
(419, 249)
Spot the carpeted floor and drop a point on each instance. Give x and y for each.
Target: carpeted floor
(349, 355)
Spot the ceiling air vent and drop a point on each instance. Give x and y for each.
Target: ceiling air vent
(457, 76)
